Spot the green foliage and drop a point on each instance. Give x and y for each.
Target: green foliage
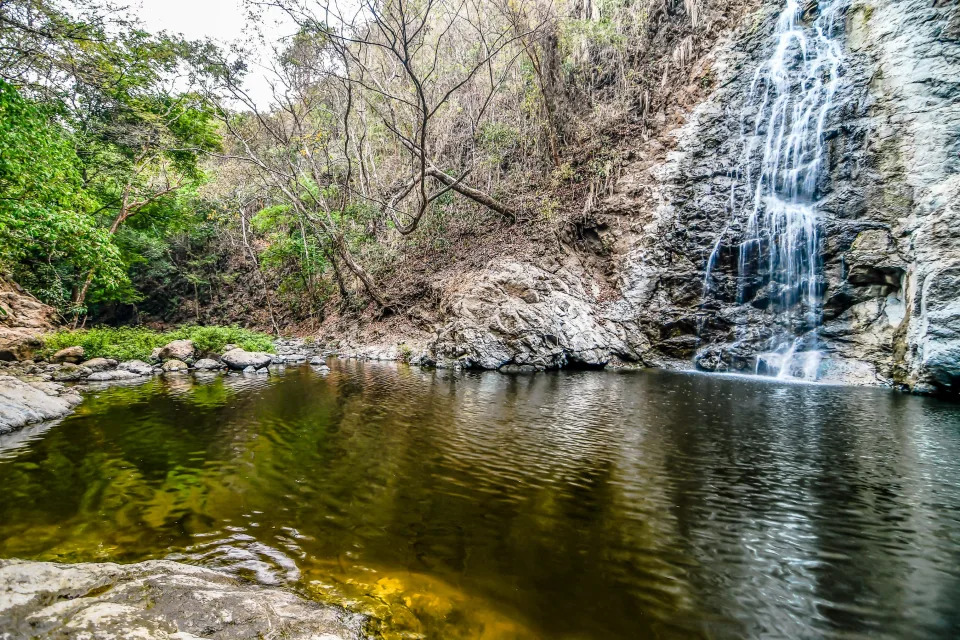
(213, 339)
(135, 343)
(91, 134)
(48, 236)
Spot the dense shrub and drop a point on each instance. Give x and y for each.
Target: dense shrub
(129, 343)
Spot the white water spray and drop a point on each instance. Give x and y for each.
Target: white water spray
(773, 200)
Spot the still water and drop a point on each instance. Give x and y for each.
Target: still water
(580, 505)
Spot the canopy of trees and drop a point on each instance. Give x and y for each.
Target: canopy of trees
(136, 172)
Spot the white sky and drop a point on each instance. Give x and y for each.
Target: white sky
(222, 20)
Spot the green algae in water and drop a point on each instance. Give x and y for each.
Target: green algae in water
(567, 505)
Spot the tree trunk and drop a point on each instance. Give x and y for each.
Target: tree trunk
(474, 194)
(360, 272)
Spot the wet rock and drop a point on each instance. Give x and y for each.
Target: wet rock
(317, 360)
(110, 376)
(138, 367)
(175, 366)
(518, 369)
(250, 369)
(207, 364)
(23, 403)
(238, 359)
(70, 373)
(156, 600)
(100, 364)
(73, 355)
(177, 350)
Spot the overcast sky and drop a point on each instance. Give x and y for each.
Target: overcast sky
(222, 20)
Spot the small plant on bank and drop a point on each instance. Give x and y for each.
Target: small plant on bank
(134, 343)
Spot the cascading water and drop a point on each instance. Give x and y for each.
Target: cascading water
(773, 198)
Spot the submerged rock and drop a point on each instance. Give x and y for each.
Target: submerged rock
(156, 600)
(239, 359)
(23, 403)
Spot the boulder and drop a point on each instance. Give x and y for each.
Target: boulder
(73, 355)
(239, 359)
(175, 366)
(157, 600)
(23, 320)
(250, 369)
(177, 350)
(138, 367)
(207, 364)
(100, 364)
(109, 376)
(70, 373)
(23, 403)
(317, 360)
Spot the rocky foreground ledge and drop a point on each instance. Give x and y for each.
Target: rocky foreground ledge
(156, 600)
(23, 402)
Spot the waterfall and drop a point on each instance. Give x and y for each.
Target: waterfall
(772, 202)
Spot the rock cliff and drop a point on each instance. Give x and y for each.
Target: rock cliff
(22, 319)
(888, 201)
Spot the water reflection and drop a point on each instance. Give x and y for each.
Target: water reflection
(569, 505)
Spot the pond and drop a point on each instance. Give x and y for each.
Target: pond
(566, 505)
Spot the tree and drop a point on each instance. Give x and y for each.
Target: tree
(48, 234)
(108, 88)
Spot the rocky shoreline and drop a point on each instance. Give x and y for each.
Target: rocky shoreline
(33, 391)
(157, 600)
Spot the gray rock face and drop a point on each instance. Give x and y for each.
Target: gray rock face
(888, 199)
(520, 314)
(156, 600)
(23, 403)
(238, 359)
(207, 364)
(138, 367)
(73, 355)
(177, 350)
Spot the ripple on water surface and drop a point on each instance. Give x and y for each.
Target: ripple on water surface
(565, 505)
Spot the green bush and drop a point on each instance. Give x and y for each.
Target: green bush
(213, 339)
(130, 343)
